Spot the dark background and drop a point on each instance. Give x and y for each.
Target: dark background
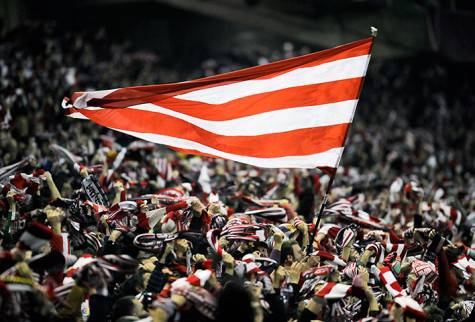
(202, 27)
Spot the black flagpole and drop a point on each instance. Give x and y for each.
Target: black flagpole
(320, 213)
(374, 33)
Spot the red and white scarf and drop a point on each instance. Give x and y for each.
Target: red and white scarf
(333, 291)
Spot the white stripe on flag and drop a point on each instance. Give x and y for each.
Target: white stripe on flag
(328, 72)
(328, 158)
(269, 122)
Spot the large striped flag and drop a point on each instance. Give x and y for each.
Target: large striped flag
(293, 113)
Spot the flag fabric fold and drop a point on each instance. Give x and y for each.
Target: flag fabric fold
(293, 113)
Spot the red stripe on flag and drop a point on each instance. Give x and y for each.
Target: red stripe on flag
(298, 142)
(308, 95)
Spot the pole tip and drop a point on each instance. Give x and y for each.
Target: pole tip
(374, 31)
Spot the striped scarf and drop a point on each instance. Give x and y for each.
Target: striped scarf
(153, 242)
(378, 249)
(399, 248)
(386, 277)
(272, 214)
(212, 236)
(333, 291)
(329, 258)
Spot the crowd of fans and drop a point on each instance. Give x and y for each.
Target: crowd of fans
(96, 226)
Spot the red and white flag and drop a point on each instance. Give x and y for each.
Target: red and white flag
(293, 113)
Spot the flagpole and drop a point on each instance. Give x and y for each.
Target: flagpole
(320, 211)
(374, 33)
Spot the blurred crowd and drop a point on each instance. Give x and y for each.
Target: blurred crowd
(96, 226)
